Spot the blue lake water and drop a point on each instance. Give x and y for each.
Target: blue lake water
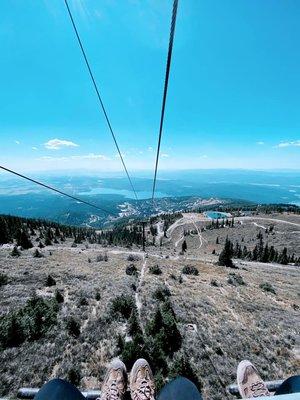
(217, 214)
(143, 194)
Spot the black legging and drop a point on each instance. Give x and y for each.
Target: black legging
(179, 389)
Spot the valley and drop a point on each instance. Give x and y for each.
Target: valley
(222, 314)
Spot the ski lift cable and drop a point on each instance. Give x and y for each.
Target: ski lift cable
(99, 96)
(168, 66)
(54, 189)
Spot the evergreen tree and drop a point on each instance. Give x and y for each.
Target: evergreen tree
(184, 246)
(23, 240)
(283, 258)
(15, 252)
(225, 257)
(4, 236)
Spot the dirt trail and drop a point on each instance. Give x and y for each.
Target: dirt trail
(268, 219)
(138, 301)
(259, 226)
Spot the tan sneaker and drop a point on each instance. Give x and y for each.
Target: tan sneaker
(142, 385)
(249, 382)
(115, 381)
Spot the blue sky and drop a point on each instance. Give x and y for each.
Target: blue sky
(234, 94)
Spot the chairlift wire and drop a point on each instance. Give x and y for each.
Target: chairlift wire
(53, 189)
(99, 96)
(169, 58)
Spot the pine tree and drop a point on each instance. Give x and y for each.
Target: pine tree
(266, 254)
(225, 258)
(23, 240)
(283, 258)
(4, 236)
(184, 246)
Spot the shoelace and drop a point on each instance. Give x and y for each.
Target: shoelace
(113, 392)
(144, 389)
(259, 389)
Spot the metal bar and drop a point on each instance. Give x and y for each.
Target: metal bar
(271, 385)
(29, 393)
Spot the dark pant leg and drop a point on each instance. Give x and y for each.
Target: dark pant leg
(58, 389)
(180, 389)
(290, 385)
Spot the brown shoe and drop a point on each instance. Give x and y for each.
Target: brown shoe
(142, 385)
(115, 381)
(249, 382)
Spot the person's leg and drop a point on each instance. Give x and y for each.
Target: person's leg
(290, 385)
(58, 389)
(180, 389)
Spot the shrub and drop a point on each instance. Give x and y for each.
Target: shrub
(41, 246)
(74, 376)
(131, 270)
(190, 270)
(102, 257)
(155, 270)
(73, 327)
(98, 296)
(214, 282)
(267, 287)
(83, 301)
(37, 254)
(59, 297)
(133, 257)
(162, 293)
(3, 280)
(15, 252)
(50, 281)
(122, 305)
(29, 323)
(236, 280)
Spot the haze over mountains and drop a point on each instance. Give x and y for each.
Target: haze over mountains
(176, 190)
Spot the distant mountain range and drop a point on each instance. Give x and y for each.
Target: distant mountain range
(175, 191)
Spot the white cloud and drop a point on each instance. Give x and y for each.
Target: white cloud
(118, 155)
(17, 142)
(293, 143)
(90, 156)
(204, 156)
(260, 143)
(56, 144)
(165, 155)
(34, 148)
(150, 148)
